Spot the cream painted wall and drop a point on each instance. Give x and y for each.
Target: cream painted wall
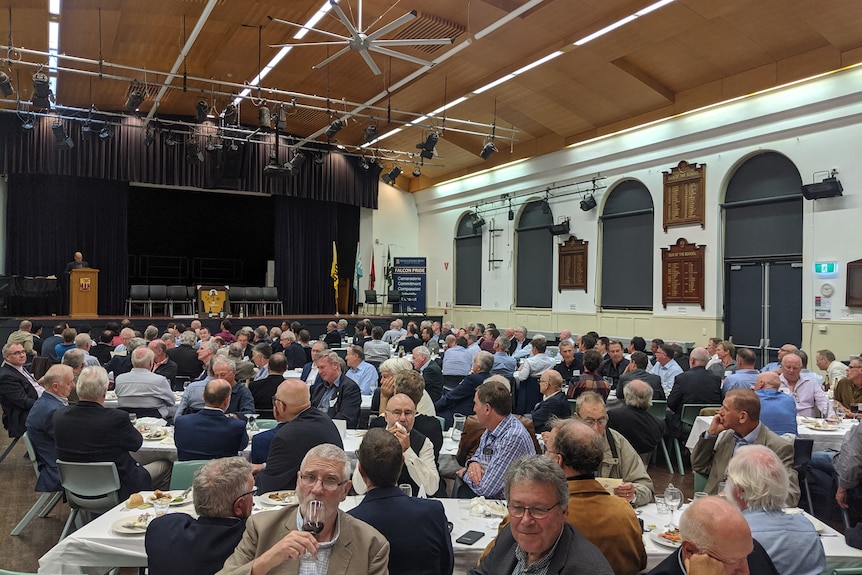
(816, 124)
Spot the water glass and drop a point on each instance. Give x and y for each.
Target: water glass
(133, 418)
(161, 506)
(407, 489)
(458, 426)
(661, 505)
(699, 495)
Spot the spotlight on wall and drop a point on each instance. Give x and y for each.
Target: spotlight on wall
(61, 137)
(392, 175)
(370, 133)
(42, 95)
(488, 149)
(427, 146)
(193, 152)
(588, 203)
(6, 85)
(334, 128)
(202, 108)
(135, 98)
(230, 115)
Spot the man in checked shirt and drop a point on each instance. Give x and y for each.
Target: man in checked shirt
(505, 439)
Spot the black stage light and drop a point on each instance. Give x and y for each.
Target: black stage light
(230, 115)
(363, 163)
(149, 138)
(296, 162)
(105, 133)
(28, 123)
(417, 171)
(61, 137)
(487, 150)
(193, 152)
(134, 99)
(588, 203)
(427, 146)
(392, 175)
(370, 133)
(334, 128)
(42, 95)
(6, 84)
(202, 108)
(264, 117)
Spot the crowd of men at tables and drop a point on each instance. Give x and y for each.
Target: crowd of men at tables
(509, 388)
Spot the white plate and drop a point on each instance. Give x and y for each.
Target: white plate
(818, 427)
(664, 542)
(175, 494)
(123, 526)
(265, 498)
(156, 435)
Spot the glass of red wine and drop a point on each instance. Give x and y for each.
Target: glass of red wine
(313, 519)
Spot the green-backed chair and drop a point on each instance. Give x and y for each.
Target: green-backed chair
(184, 472)
(442, 421)
(266, 423)
(658, 409)
(688, 415)
(845, 571)
(573, 405)
(700, 481)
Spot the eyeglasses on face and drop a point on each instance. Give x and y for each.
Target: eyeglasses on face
(275, 398)
(535, 512)
(590, 421)
(399, 413)
(252, 492)
(329, 483)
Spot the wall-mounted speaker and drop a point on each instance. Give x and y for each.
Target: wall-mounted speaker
(828, 188)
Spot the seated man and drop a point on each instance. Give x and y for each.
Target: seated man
(738, 423)
(241, 400)
(141, 388)
(460, 399)
(848, 390)
(58, 383)
(503, 441)
(806, 391)
(697, 385)
(376, 350)
(262, 441)
(178, 543)
(208, 434)
(637, 369)
(88, 432)
(527, 376)
(344, 546)
(193, 396)
(309, 370)
(840, 471)
(504, 364)
(263, 389)
(745, 374)
(606, 521)
(544, 542)
(715, 539)
(554, 402)
(360, 371)
(402, 520)
(162, 364)
(430, 371)
(634, 421)
(307, 428)
(411, 384)
(335, 394)
(619, 459)
(19, 390)
(777, 409)
(260, 354)
(420, 464)
(615, 364)
(757, 482)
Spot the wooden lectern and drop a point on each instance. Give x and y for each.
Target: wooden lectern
(84, 292)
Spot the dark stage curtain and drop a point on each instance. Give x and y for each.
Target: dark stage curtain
(171, 160)
(48, 218)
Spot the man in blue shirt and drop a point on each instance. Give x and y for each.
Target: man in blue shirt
(360, 371)
(745, 374)
(666, 366)
(777, 409)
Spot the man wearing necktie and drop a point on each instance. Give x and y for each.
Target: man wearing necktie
(19, 390)
(736, 424)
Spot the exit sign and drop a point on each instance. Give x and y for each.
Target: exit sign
(825, 268)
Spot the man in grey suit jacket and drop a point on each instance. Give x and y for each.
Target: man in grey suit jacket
(537, 485)
(736, 424)
(276, 538)
(141, 387)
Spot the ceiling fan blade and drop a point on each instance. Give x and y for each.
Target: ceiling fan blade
(394, 54)
(338, 43)
(344, 19)
(370, 61)
(331, 58)
(397, 23)
(324, 32)
(416, 42)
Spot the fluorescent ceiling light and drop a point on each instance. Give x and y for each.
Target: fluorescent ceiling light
(313, 21)
(386, 135)
(652, 7)
(496, 82)
(54, 7)
(605, 30)
(538, 62)
(447, 106)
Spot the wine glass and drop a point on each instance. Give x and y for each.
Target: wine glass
(133, 418)
(674, 499)
(840, 413)
(313, 519)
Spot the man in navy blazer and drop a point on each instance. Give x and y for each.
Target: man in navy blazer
(88, 432)
(209, 434)
(18, 390)
(554, 402)
(334, 393)
(460, 399)
(58, 383)
(401, 519)
(178, 544)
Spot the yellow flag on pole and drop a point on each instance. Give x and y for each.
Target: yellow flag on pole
(334, 273)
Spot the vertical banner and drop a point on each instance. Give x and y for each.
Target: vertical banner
(409, 277)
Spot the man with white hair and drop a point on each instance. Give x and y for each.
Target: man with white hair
(782, 351)
(757, 482)
(83, 341)
(395, 332)
(430, 371)
(141, 388)
(332, 336)
(634, 421)
(538, 362)
(804, 389)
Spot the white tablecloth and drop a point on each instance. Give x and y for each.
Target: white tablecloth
(95, 548)
(823, 440)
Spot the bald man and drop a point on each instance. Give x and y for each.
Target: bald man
(715, 539)
(777, 409)
(209, 433)
(76, 263)
(308, 427)
(697, 385)
(554, 402)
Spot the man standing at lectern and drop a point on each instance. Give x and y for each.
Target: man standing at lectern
(77, 263)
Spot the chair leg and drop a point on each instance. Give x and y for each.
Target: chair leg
(678, 456)
(807, 494)
(9, 449)
(73, 513)
(667, 458)
(37, 507)
(845, 515)
(51, 504)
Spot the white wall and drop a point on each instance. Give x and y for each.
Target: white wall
(816, 124)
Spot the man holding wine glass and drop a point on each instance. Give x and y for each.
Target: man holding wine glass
(294, 535)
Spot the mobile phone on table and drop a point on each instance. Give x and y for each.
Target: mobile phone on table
(470, 537)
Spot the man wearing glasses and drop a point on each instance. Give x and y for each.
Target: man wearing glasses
(848, 391)
(344, 544)
(307, 428)
(178, 543)
(19, 390)
(538, 539)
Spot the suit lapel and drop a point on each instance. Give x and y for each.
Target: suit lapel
(339, 561)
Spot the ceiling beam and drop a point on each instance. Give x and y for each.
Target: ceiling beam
(644, 79)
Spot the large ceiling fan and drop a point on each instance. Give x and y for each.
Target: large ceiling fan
(363, 41)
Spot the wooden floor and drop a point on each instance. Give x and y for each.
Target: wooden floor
(22, 552)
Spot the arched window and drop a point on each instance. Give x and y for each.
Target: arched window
(468, 262)
(535, 256)
(627, 247)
